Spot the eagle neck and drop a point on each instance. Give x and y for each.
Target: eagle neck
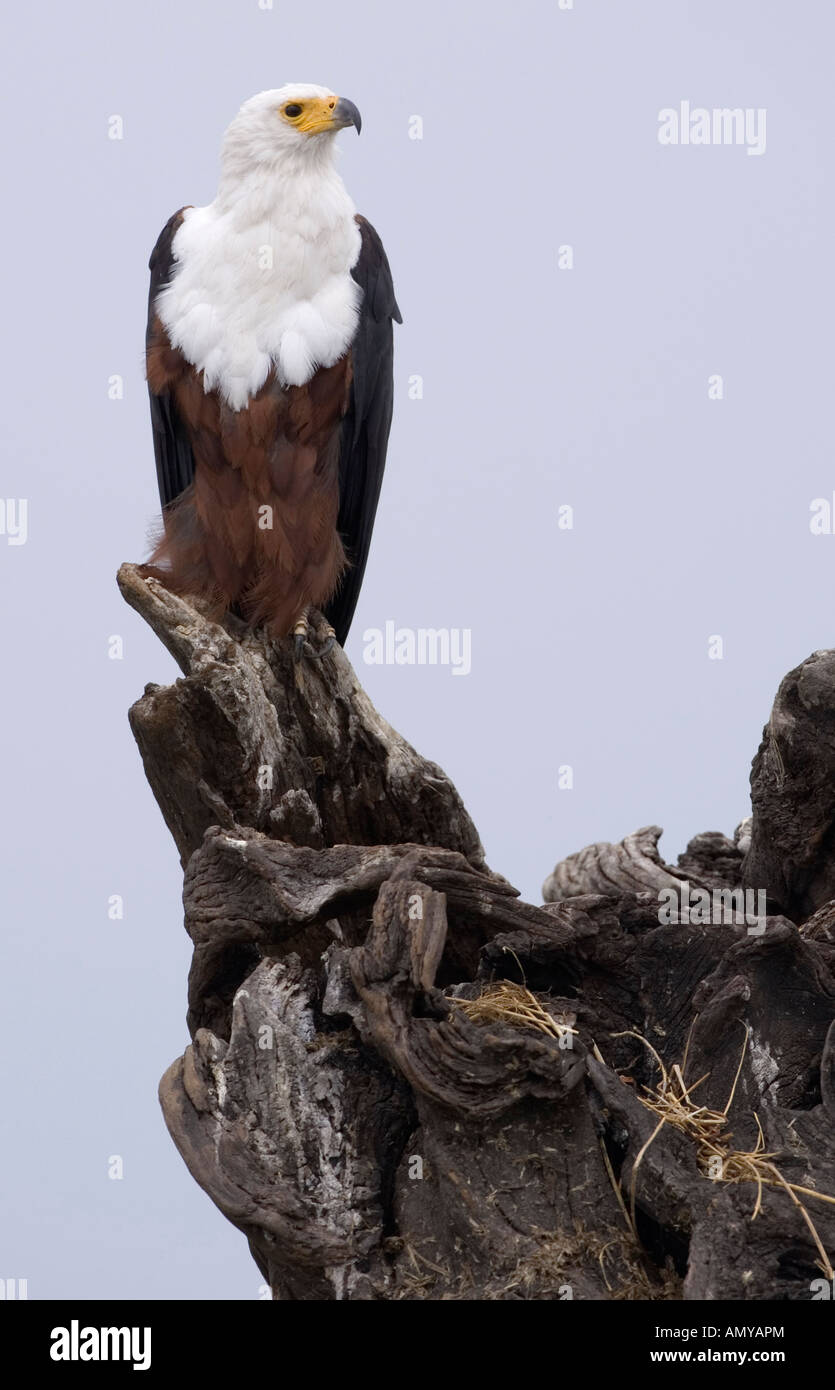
(295, 183)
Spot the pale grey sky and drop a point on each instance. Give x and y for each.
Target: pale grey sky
(542, 388)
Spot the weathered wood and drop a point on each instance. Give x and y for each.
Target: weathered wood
(635, 866)
(299, 753)
(792, 854)
(375, 1139)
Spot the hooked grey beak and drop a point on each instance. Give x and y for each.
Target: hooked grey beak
(346, 113)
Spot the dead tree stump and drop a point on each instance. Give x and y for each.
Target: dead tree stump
(404, 1082)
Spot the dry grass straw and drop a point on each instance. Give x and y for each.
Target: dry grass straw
(506, 1002)
(542, 1272)
(672, 1101)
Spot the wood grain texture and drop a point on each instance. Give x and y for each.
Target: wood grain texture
(340, 1107)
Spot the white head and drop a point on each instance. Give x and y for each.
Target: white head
(290, 125)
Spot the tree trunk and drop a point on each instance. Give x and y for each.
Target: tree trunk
(404, 1082)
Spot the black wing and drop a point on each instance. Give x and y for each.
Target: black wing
(172, 450)
(365, 429)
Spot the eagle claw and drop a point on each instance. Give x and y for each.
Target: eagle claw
(302, 648)
(327, 645)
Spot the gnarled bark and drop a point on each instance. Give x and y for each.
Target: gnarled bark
(375, 1136)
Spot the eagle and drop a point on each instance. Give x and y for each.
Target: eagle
(269, 362)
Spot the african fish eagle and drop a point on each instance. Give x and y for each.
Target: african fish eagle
(269, 366)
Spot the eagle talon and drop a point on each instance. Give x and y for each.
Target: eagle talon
(299, 640)
(328, 644)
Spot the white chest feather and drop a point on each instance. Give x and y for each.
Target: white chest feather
(264, 281)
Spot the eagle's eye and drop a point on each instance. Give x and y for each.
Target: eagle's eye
(293, 110)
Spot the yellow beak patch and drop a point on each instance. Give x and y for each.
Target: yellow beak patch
(312, 115)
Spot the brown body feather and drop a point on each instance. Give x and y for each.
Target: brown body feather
(257, 528)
